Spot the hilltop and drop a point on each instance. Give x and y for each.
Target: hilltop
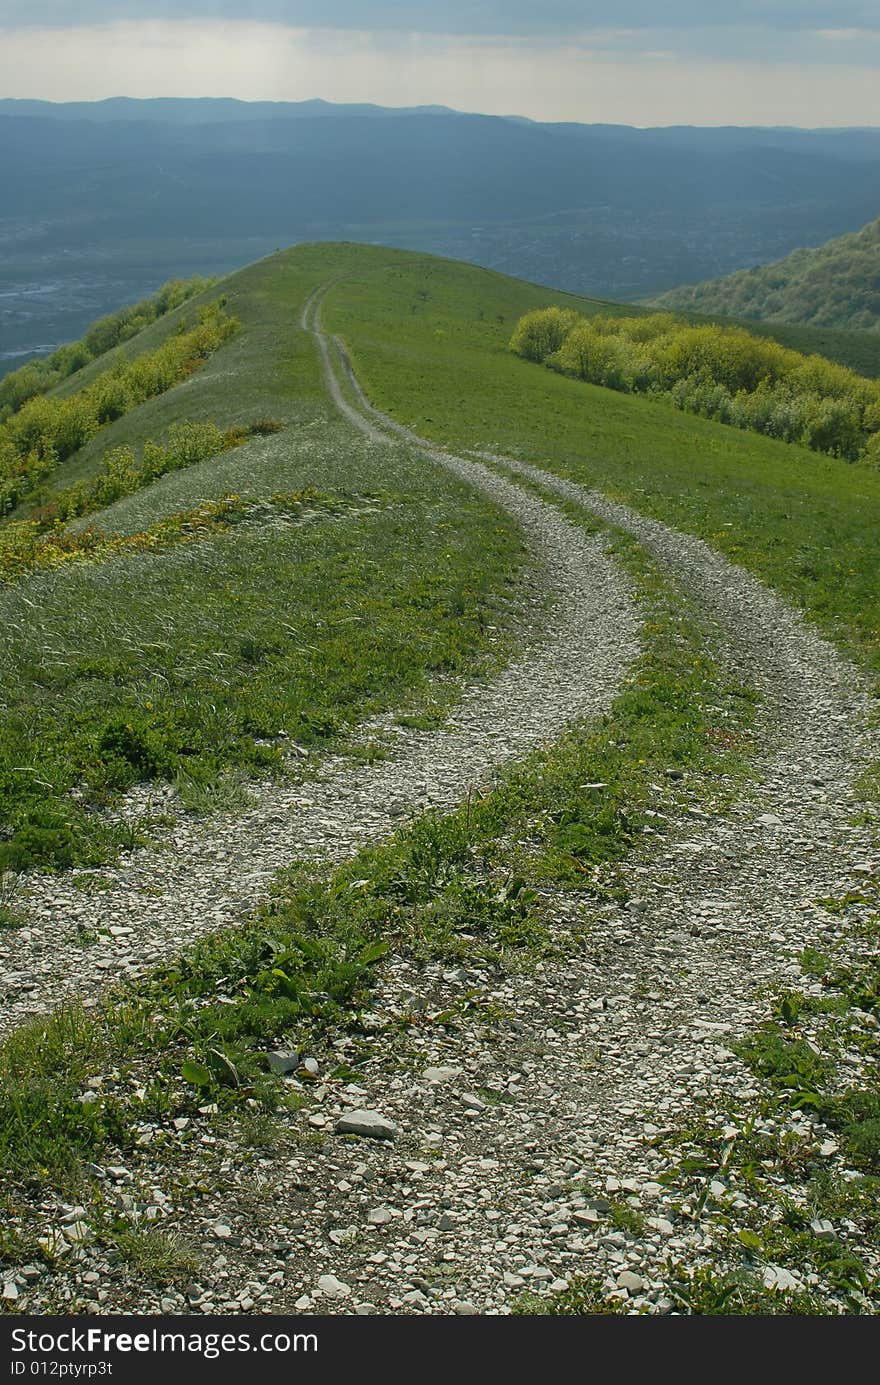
(836, 285)
(437, 820)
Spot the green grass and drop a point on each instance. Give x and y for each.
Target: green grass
(429, 340)
(381, 601)
(158, 1257)
(463, 886)
(200, 660)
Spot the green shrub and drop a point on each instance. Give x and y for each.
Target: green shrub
(539, 334)
(724, 373)
(37, 377)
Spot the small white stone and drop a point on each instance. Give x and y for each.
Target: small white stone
(331, 1287)
(822, 1227)
(630, 1281)
(437, 1076)
(775, 1277)
(380, 1216)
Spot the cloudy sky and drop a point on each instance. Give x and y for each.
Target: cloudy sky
(639, 62)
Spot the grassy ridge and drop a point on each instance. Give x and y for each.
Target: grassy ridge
(188, 661)
(429, 339)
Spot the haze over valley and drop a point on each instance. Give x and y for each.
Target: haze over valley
(104, 201)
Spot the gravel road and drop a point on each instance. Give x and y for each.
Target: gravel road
(211, 874)
(520, 1124)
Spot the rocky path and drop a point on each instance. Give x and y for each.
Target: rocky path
(521, 1124)
(513, 1131)
(209, 876)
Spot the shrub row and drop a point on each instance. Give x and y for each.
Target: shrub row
(37, 542)
(40, 376)
(723, 373)
(47, 429)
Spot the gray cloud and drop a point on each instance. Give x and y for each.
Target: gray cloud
(516, 18)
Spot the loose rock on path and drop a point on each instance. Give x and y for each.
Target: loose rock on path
(212, 875)
(475, 1161)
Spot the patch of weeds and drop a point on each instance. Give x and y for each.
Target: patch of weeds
(259, 1130)
(370, 752)
(626, 1218)
(493, 1097)
(158, 1256)
(813, 962)
(11, 918)
(586, 1295)
(788, 1063)
(9, 890)
(91, 882)
(839, 905)
(737, 1294)
(16, 1248)
(855, 1116)
(431, 720)
(210, 790)
(837, 1199)
(264, 427)
(867, 785)
(45, 1128)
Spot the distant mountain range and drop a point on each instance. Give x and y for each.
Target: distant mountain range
(102, 201)
(835, 285)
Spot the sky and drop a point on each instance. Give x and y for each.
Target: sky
(635, 62)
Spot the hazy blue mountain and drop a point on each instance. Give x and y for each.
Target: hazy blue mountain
(102, 201)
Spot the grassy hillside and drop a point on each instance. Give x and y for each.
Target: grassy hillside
(268, 596)
(430, 339)
(132, 625)
(836, 285)
(327, 591)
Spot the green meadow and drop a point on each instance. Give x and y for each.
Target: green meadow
(430, 341)
(353, 583)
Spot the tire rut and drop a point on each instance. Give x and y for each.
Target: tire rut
(211, 876)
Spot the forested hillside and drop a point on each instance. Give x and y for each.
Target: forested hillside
(835, 285)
